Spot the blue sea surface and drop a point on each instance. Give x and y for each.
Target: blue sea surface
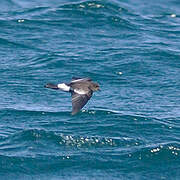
(128, 130)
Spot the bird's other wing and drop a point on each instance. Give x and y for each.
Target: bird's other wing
(79, 101)
(78, 79)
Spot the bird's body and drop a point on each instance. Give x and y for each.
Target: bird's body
(81, 90)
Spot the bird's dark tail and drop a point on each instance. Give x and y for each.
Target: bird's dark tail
(52, 86)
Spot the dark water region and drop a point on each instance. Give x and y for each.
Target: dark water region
(128, 130)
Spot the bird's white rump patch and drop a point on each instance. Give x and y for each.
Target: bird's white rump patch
(63, 87)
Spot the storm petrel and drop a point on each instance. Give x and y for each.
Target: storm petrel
(81, 90)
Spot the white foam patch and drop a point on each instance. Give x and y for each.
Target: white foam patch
(173, 15)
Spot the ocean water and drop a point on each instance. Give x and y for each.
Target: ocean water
(128, 130)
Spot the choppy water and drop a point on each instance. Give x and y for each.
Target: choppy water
(129, 130)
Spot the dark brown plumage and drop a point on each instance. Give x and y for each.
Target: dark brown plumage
(81, 90)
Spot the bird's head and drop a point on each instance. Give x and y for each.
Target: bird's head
(95, 87)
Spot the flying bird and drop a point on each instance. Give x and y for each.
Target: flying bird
(81, 90)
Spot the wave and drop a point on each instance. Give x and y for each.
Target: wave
(7, 4)
(105, 12)
(64, 139)
(96, 111)
(33, 142)
(39, 149)
(9, 43)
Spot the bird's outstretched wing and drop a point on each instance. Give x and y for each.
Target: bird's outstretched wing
(79, 101)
